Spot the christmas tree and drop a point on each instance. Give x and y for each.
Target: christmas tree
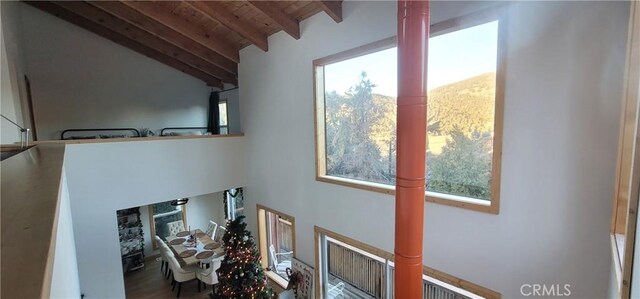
(240, 274)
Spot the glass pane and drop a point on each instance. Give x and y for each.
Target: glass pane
(360, 113)
(461, 111)
(367, 282)
(164, 213)
(280, 242)
(223, 113)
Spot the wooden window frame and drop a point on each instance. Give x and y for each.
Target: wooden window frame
(263, 243)
(226, 106)
(439, 275)
(627, 181)
(448, 26)
(152, 224)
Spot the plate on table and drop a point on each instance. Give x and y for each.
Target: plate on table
(188, 253)
(205, 254)
(177, 241)
(200, 235)
(183, 234)
(212, 246)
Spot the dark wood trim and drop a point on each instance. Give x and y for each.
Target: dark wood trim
(122, 27)
(217, 12)
(137, 46)
(27, 86)
(228, 68)
(186, 28)
(288, 24)
(332, 8)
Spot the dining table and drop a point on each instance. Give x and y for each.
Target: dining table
(203, 245)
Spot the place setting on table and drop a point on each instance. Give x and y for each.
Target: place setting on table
(192, 246)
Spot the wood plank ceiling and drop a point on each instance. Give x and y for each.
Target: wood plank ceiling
(199, 38)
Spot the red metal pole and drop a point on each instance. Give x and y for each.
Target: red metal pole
(413, 37)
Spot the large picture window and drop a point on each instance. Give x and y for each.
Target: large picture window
(338, 256)
(163, 213)
(355, 95)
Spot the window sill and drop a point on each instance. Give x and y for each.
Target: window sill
(276, 278)
(443, 199)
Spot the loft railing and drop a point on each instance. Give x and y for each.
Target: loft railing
(24, 133)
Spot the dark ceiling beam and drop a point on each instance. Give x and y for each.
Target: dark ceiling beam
(217, 12)
(189, 29)
(112, 22)
(118, 38)
(271, 10)
(227, 68)
(332, 8)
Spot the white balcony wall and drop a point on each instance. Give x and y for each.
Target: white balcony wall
(105, 177)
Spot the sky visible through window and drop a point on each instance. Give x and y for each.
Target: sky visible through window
(461, 54)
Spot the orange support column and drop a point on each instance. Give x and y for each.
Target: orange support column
(413, 36)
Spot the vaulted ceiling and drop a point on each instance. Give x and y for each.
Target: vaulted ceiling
(200, 38)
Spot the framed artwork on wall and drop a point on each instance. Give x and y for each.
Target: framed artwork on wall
(305, 289)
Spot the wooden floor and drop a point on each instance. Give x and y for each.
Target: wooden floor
(149, 283)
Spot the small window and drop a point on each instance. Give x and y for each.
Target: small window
(224, 122)
(339, 255)
(276, 232)
(233, 203)
(163, 213)
(355, 94)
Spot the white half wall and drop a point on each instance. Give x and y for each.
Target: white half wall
(106, 177)
(65, 282)
(81, 80)
(563, 89)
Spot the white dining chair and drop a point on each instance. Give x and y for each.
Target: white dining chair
(163, 258)
(175, 227)
(167, 253)
(180, 274)
(211, 229)
(208, 275)
(219, 233)
(280, 266)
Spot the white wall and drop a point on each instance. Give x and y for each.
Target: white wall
(65, 282)
(81, 80)
(11, 73)
(106, 177)
(563, 89)
(203, 208)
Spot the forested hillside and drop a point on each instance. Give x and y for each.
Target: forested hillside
(361, 135)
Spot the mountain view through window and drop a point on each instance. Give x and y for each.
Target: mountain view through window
(360, 114)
